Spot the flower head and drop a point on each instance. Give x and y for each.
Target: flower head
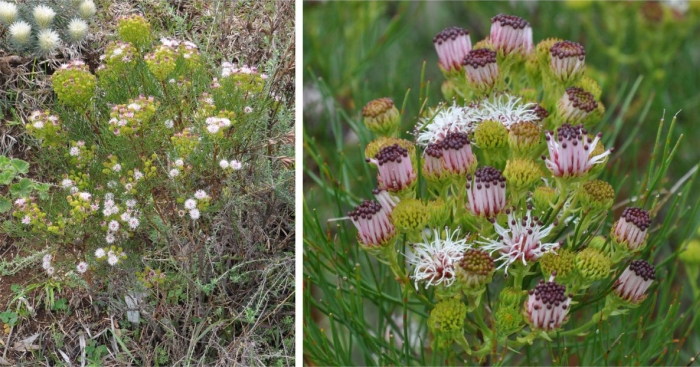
(630, 230)
(381, 116)
(224, 164)
(77, 29)
(48, 40)
(452, 45)
(634, 281)
(112, 259)
(521, 241)
(134, 223)
(486, 192)
(567, 60)
(521, 173)
(434, 262)
(43, 16)
(87, 9)
(453, 154)
(547, 305)
(190, 204)
(475, 269)
(20, 32)
(82, 267)
(100, 253)
(236, 165)
(481, 69)
(446, 321)
(373, 225)
(577, 106)
(174, 172)
(571, 152)
(8, 12)
(592, 264)
(395, 168)
(194, 214)
(511, 34)
(410, 216)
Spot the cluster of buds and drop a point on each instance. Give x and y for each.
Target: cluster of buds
(162, 61)
(119, 56)
(185, 142)
(131, 118)
(381, 116)
(187, 50)
(567, 60)
(46, 127)
(82, 206)
(28, 212)
(74, 84)
(245, 78)
(136, 30)
(150, 278)
(79, 154)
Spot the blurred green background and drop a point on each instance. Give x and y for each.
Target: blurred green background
(355, 52)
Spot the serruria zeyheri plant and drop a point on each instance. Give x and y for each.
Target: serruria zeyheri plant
(494, 226)
(143, 154)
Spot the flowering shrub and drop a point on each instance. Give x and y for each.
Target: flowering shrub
(492, 224)
(148, 163)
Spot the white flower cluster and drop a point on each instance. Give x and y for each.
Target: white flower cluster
(48, 40)
(39, 119)
(228, 69)
(46, 264)
(233, 164)
(191, 204)
(114, 220)
(504, 108)
(112, 256)
(214, 124)
(20, 32)
(189, 47)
